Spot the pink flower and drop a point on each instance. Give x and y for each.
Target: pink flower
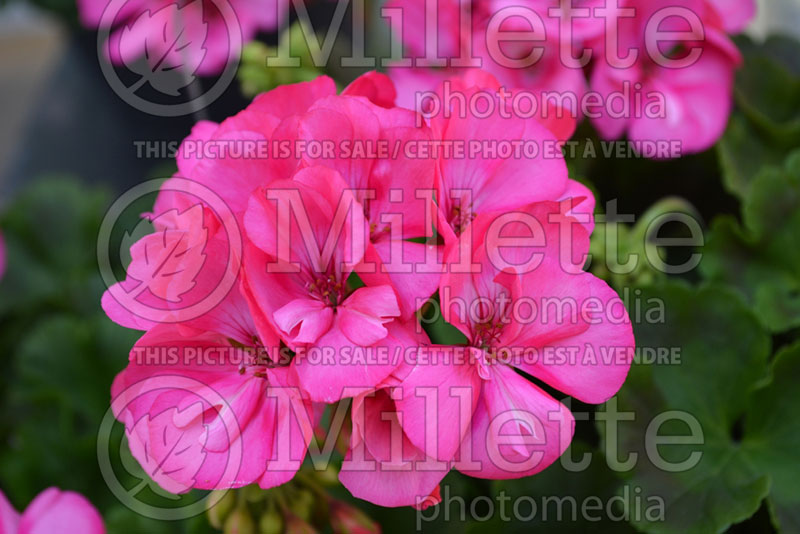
(52, 512)
(208, 412)
(505, 309)
(222, 398)
(467, 406)
(484, 42)
(196, 36)
(469, 186)
(304, 292)
(690, 101)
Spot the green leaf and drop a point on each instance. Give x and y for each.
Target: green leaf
(743, 151)
(574, 500)
(62, 376)
(762, 260)
(766, 126)
(772, 438)
(768, 85)
(723, 356)
(51, 235)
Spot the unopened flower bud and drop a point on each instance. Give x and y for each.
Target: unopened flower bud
(221, 503)
(346, 519)
(271, 521)
(295, 525)
(328, 476)
(302, 504)
(240, 522)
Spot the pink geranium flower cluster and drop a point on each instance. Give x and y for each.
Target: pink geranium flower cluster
(607, 59)
(341, 216)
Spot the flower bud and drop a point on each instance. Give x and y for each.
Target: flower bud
(295, 525)
(221, 503)
(346, 519)
(271, 521)
(240, 522)
(328, 476)
(302, 504)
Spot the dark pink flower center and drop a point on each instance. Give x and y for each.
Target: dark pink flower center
(461, 217)
(329, 289)
(486, 336)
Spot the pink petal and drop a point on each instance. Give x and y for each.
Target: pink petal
(698, 101)
(489, 183)
(304, 320)
(376, 87)
(606, 81)
(293, 99)
(57, 512)
(736, 14)
(9, 518)
(437, 400)
(335, 368)
(377, 471)
(583, 201)
(423, 263)
(363, 314)
(598, 358)
(517, 429)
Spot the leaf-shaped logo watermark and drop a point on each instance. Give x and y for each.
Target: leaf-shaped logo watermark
(168, 447)
(171, 276)
(172, 39)
(173, 456)
(167, 262)
(165, 49)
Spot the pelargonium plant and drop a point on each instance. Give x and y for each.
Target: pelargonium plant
(338, 224)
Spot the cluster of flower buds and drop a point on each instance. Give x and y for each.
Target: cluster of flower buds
(302, 506)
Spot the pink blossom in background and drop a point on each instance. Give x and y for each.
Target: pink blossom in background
(697, 97)
(193, 35)
(52, 512)
(690, 104)
(547, 74)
